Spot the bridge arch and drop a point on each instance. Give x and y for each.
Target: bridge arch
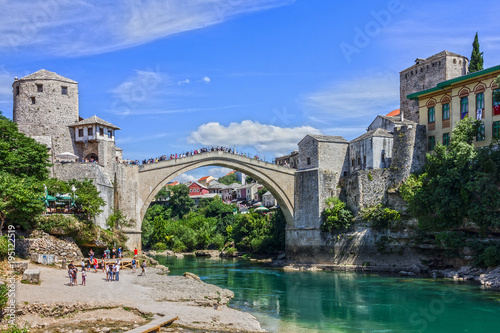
(279, 180)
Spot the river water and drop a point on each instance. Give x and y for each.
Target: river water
(346, 302)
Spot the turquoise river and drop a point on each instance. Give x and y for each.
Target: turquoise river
(347, 302)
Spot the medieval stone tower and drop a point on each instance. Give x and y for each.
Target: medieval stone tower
(425, 74)
(45, 103)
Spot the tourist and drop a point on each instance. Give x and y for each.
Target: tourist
(91, 255)
(84, 276)
(70, 268)
(75, 276)
(96, 264)
(135, 252)
(83, 263)
(88, 264)
(113, 253)
(109, 271)
(103, 265)
(120, 252)
(134, 265)
(143, 266)
(107, 253)
(117, 272)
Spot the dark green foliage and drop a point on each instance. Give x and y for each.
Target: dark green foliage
(458, 182)
(452, 242)
(336, 216)
(160, 247)
(20, 199)
(476, 58)
(180, 201)
(118, 220)
(381, 217)
(486, 254)
(213, 226)
(87, 197)
(4, 247)
(229, 179)
(21, 155)
(163, 193)
(4, 297)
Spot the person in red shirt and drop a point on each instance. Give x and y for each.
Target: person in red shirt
(135, 252)
(95, 265)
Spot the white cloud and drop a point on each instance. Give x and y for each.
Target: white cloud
(185, 177)
(264, 138)
(206, 79)
(83, 27)
(140, 87)
(6, 80)
(360, 97)
(186, 81)
(218, 172)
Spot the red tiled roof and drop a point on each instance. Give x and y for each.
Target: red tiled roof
(393, 113)
(230, 173)
(203, 178)
(172, 184)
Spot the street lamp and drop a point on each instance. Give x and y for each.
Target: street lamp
(73, 189)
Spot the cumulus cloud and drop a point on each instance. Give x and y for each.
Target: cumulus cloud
(264, 138)
(206, 79)
(185, 177)
(218, 172)
(83, 27)
(186, 81)
(360, 97)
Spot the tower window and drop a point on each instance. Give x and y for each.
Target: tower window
(308, 161)
(364, 159)
(110, 134)
(359, 160)
(90, 131)
(33, 100)
(64, 90)
(101, 131)
(17, 90)
(80, 132)
(39, 87)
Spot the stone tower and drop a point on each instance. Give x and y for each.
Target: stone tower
(45, 103)
(425, 74)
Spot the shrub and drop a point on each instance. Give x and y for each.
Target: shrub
(491, 256)
(336, 216)
(4, 297)
(230, 251)
(380, 217)
(452, 241)
(218, 241)
(14, 328)
(178, 246)
(4, 246)
(160, 246)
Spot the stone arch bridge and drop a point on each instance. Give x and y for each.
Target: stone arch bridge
(142, 183)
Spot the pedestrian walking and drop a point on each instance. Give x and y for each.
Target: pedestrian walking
(135, 252)
(96, 264)
(91, 255)
(143, 266)
(120, 252)
(103, 265)
(113, 253)
(109, 272)
(134, 265)
(117, 272)
(84, 276)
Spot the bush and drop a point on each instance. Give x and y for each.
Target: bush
(4, 297)
(58, 224)
(4, 246)
(491, 256)
(230, 251)
(14, 328)
(178, 246)
(336, 215)
(160, 246)
(218, 241)
(380, 217)
(452, 241)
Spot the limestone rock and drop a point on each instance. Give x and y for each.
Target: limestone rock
(191, 276)
(31, 276)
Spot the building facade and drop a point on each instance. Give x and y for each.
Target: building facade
(471, 95)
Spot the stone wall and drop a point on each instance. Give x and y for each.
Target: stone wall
(365, 188)
(408, 151)
(94, 171)
(51, 112)
(40, 242)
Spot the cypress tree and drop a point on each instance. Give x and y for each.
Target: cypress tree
(476, 58)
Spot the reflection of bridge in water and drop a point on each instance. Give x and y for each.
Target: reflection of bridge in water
(279, 180)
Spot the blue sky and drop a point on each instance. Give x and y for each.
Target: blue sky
(256, 74)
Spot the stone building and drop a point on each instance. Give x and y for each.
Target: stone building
(471, 95)
(425, 74)
(291, 160)
(46, 108)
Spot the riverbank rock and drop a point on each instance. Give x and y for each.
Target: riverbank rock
(491, 279)
(39, 242)
(207, 253)
(191, 276)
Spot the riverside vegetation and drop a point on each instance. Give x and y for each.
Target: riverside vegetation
(212, 225)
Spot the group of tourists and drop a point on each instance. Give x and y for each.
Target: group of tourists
(112, 270)
(190, 153)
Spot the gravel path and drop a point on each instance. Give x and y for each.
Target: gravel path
(194, 302)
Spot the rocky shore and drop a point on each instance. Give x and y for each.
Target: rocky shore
(488, 277)
(53, 305)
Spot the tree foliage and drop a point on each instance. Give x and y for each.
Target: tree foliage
(459, 182)
(336, 216)
(380, 217)
(229, 179)
(476, 58)
(20, 199)
(21, 155)
(180, 201)
(118, 220)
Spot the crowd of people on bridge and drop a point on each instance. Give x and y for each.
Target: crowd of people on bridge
(111, 269)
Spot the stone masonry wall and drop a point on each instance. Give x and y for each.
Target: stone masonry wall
(51, 112)
(365, 188)
(40, 242)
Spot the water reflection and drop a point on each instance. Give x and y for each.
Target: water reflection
(346, 302)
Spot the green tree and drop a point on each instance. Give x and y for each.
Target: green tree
(476, 58)
(20, 199)
(163, 193)
(118, 220)
(336, 216)
(229, 179)
(459, 182)
(21, 155)
(180, 201)
(87, 197)
(261, 192)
